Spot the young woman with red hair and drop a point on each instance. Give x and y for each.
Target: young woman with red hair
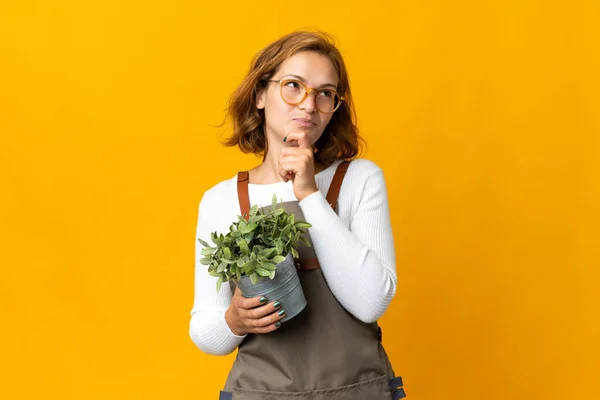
(295, 110)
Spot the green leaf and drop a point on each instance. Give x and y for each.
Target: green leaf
(294, 253)
(249, 266)
(258, 219)
(305, 240)
(247, 228)
(207, 251)
(244, 246)
(215, 239)
(205, 261)
(203, 243)
(262, 272)
(265, 252)
(227, 253)
(302, 225)
(222, 267)
(253, 278)
(277, 259)
(257, 249)
(274, 201)
(219, 283)
(286, 231)
(269, 266)
(272, 274)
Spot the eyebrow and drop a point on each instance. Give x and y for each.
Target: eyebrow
(304, 81)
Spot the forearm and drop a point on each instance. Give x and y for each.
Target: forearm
(211, 333)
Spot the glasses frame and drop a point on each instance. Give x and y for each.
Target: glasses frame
(307, 91)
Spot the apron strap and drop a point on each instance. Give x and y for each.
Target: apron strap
(308, 264)
(242, 189)
(225, 396)
(336, 184)
(332, 193)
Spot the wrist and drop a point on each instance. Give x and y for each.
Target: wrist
(232, 325)
(307, 193)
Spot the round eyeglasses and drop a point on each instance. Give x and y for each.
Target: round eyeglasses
(294, 92)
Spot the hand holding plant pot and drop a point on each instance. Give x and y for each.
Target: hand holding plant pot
(264, 246)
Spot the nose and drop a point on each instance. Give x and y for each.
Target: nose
(309, 103)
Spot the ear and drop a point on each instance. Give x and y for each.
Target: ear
(261, 98)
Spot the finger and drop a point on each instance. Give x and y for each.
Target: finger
(260, 312)
(269, 323)
(291, 151)
(288, 169)
(249, 303)
(295, 164)
(299, 137)
(285, 174)
(295, 159)
(268, 329)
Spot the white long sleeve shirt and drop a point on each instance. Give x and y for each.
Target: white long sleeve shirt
(355, 247)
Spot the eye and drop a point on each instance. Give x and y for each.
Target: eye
(326, 93)
(292, 84)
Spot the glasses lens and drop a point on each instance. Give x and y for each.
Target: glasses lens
(327, 101)
(292, 91)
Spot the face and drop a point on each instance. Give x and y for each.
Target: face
(281, 118)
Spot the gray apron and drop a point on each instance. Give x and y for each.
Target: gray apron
(324, 353)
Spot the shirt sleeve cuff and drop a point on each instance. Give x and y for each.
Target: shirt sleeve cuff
(315, 205)
(312, 199)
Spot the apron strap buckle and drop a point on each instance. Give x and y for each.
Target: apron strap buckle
(396, 389)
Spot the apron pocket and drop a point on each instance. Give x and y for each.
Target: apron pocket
(372, 389)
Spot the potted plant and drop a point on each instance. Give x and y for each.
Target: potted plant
(264, 246)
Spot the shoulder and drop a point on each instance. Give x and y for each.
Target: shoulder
(361, 169)
(218, 195)
(362, 185)
(363, 176)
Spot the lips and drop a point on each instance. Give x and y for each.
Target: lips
(305, 122)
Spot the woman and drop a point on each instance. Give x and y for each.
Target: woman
(295, 109)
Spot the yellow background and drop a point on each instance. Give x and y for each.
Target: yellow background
(484, 116)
